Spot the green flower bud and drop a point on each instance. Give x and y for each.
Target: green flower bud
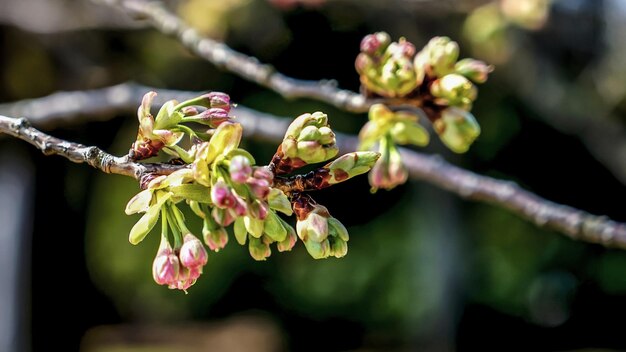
(214, 235)
(259, 250)
(439, 55)
(475, 70)
(457, 129)
(338, 247)
(318, 250)
(389, 171)
(336, 229)
(314, 227)
(409, 132)
(289, 241)
(309, 139)
(454, 90)
(350, 165)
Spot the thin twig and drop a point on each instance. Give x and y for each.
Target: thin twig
(572, 222)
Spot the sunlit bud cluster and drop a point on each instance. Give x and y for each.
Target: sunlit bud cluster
(385, 67)
(439, 84)
(222, 185)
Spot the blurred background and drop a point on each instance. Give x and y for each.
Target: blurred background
(425, 271)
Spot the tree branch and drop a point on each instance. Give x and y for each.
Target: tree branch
(240, 64)
(574, 223)
(79, 153)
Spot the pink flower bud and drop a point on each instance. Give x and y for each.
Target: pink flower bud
(165, 267)
(186, 278)
(192, 253)
(373, 43)
(213, 116)
(240, 168)
(222, 196)
(218, 100)
(260, 187)
(216, 239)
(263, 173)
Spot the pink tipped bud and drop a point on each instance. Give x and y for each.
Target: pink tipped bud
(222, 196)
(405, 48)
(375, 43)
(186, 278)
(216, 239)
(165, 267)
(260, 187)
(218, 100)
(240, 208)
(213, 117)
(192, 253)
(240, 168)
(263, 173)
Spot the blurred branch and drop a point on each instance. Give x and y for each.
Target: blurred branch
(46, 17)
(243, 65)
(574, 223)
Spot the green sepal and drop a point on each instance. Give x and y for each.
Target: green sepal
(240, 231)
(194, 192)
(141, 229)
(277, 200)
(274, 228)
(139, 203)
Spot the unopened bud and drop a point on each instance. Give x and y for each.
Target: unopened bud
(318, 250)
(440, 54)
(222, 196)
(454, 90)
(215, 238)
(192, 253)
(240, 168)
(350, 165)
(388, 172)
(375, 44)
(165, 266)
(259, 250)
(212, 117)
(476, 70)
(289, 241)
(457, 129)
(338, 247)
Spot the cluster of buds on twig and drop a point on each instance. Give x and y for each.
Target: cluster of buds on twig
(432, 80)
(223, 186)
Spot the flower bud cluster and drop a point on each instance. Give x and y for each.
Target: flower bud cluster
(223, 186)
(167, 129)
